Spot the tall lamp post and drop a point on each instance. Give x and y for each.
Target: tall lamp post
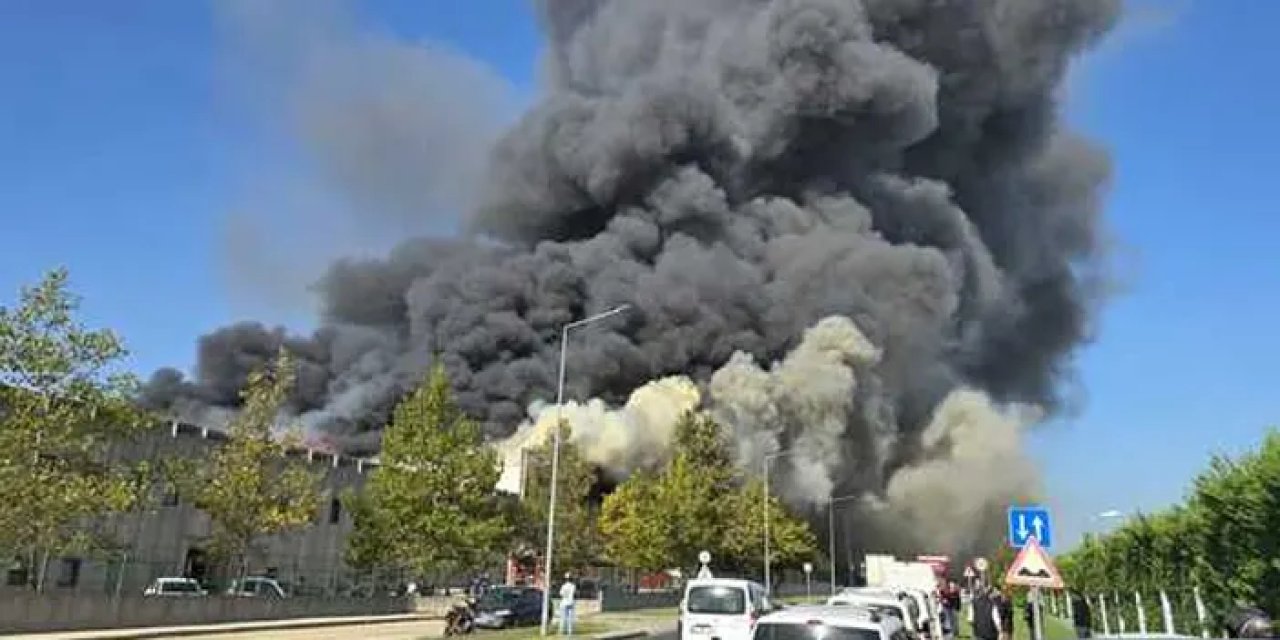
(555, 458)
(768, 585)
(831, 533)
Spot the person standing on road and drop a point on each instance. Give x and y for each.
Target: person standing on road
(1081, 616)
(986, 615)
(567, 592)
(1004, 613)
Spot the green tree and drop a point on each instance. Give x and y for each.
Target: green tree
(791, 541)
(431, 503)
(250, 487)
(665, 520)
(697, 503)
(1222, 541)
(63, 404)
(577, 538)
(634, 525)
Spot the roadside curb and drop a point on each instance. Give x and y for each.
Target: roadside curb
(235, 627)
(634, 633)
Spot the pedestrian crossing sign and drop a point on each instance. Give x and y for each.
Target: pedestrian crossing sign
(1033, 568)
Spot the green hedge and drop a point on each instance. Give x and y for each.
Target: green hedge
(1224, 539)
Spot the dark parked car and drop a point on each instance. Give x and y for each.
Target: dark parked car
(502, 607)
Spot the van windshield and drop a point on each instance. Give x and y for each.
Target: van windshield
(797, 631)
(717, 600)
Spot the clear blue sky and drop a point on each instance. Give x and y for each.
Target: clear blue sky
(121, 155)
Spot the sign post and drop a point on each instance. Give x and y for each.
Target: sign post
(704, 557)
(1034, 568)
(808, 583)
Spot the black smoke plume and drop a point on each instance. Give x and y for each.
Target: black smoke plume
(737, 170)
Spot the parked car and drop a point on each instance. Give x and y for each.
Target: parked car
(502, 607)
(175, 588)
(257, 586)
(828, 623)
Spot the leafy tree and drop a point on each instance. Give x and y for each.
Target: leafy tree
(635, 525)
(1222, 541)
(696, 503)
(577, 540)
(250, 487)
(791, 542)
(431, 503)
(63, 404)
(696, 490)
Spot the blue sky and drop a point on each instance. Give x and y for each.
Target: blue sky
(123, 149)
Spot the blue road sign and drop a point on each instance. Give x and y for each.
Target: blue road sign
(1029, 520)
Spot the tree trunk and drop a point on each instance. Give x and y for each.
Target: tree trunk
(44, 569)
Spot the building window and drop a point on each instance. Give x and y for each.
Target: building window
(335, 511)
(69, 572)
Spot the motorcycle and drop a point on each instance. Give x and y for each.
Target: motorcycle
(461, 618)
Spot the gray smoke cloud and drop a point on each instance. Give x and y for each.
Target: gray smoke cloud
(737, 170)
(374, 138)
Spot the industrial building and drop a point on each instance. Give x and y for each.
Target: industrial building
(170, 537)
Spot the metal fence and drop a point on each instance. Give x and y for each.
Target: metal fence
(1174, 612)
(300, 576)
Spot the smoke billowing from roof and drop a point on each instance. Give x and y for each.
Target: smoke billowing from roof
(738, 170)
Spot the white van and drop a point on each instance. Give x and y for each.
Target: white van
(722, 609)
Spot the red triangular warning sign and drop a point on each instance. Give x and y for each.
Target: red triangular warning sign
(1033, 568)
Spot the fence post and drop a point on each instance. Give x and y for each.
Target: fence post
(1119, 611)
(1142, 614)
(1106, 622)
(1167, 610)
(1200, 613)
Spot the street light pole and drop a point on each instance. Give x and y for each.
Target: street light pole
(831, 534)
(555, 459)
(768, 585)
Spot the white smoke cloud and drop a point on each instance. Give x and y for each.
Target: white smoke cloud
(635, 435)
(968, 465)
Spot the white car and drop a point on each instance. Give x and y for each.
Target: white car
(817, 622)
(175, 588)
(722, 609)
(883, 603)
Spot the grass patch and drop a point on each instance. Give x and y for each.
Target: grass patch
(641, 614)
(1054, 628)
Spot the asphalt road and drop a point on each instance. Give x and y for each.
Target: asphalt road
(383, 631)
(412, 630)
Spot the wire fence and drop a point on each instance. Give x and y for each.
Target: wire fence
(1174, 611)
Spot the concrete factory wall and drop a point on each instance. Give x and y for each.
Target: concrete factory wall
(169, 539)
(27, 611)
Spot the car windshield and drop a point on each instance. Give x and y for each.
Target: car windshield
(497, 598)
(797, 631)
(717, 600)
(179, 587)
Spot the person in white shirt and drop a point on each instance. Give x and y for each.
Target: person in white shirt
(567, 591)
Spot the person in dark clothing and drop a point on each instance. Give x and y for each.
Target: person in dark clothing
(985, 614)
(1005, 608)
(1029, 616)
(1081, 616)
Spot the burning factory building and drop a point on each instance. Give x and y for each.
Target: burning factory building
(856, 229)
